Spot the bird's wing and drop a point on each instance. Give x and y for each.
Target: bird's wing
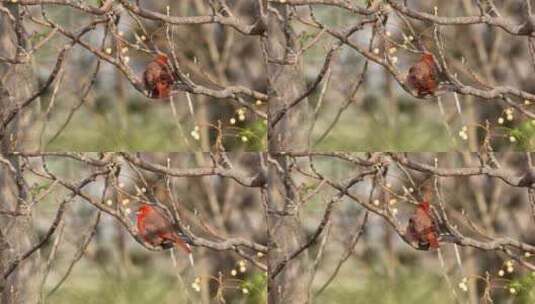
(155, 224)
(166, 78)
(151, 74)
(417, 75)
(410, 232)
(423, 70)
(148, 80)
(422, 222)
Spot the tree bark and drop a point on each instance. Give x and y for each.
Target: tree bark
(16, 237)
(286, 84)
(286, 234)
(17, 83)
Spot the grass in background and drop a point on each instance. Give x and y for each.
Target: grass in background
(149, 287)
(409, 285)
(361, 130)
(145, 127)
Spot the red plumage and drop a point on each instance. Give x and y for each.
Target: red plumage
(423, 76)
(158, 78)
(157, 229)
(422, 228)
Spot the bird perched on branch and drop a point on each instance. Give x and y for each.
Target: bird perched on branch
(423, 76)
(158, 229)
(422, 230)
(158, 77)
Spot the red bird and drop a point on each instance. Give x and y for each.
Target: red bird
(157, 229)
(158, 78)
(423, 229)
(423, 76)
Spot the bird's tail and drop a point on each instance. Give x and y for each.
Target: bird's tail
(445, 87)
(191, 261)
(433, 240)
(183, 241)
(186, 247)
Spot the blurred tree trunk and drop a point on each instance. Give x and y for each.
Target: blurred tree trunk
(286, 83)
(16, 237)
(285, 235)
(17, 83)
